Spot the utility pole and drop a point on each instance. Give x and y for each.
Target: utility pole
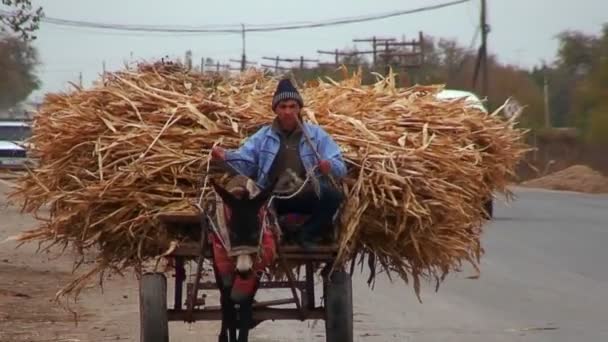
(276, 63)
(303, 60)
(103, 72)
(103, 67)
(80, 79)
(375, 41)
(485, 29)
(241, 63)
(300, 60)
(546, 97)
(337, 54)
(421, 40)
(276, 67)
(482, 54)
(389, 48)
(243, 56)
(387, 58)
(188, 60)
(218, 66)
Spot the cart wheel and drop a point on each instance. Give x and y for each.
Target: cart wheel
(154, 321)
(489, 208)
(339, 308)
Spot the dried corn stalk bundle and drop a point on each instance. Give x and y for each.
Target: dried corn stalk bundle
(113, 157)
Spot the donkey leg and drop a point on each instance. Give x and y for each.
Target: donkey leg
(245, 319)
(229, 321)
(246, 322)
(227, 331)
(233, 322)
(223, 336)
(227, 317)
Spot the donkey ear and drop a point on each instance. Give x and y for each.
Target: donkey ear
(226, 196)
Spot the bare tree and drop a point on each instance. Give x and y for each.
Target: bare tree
(22, 19)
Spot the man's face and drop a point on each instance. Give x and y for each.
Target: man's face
(288, 112)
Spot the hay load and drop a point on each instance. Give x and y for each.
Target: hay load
(113, 157)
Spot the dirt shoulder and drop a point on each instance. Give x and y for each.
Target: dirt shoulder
(29, 281)
(579, 178)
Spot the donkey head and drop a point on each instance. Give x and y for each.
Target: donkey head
(245, 224)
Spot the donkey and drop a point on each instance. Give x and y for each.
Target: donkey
(238, 268)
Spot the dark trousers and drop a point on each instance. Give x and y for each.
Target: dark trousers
(321, 210)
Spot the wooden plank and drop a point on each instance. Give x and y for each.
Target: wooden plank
(321, 253)
(311, 257)
(287, 249)
(280, 284)
(264, 304)
(211, 285)
(274, 302)
(259, 314)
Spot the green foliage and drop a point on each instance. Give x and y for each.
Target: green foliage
(598, 125)
(584, 58)
(576, 52)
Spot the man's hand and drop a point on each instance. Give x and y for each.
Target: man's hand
(218, 153)
(324, 167)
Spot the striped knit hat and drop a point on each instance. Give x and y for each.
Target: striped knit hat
(286, 91)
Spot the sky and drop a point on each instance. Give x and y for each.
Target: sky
(523, 32)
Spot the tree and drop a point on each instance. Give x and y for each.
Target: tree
(561, 92)
(590, 103)
(574, 60)
(578, 83)
(23, 20)
(18, 60)
(577, 52)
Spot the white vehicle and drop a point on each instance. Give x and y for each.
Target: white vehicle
(13, 153)
(452, 94)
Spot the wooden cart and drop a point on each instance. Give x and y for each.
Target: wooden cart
(335, 308)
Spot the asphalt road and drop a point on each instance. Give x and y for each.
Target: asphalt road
(544, 278)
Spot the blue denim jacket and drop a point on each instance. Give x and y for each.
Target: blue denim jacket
(254, 158)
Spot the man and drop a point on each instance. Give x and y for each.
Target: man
(289, 146)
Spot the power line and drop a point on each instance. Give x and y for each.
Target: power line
(248, 28)
(360, 19)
